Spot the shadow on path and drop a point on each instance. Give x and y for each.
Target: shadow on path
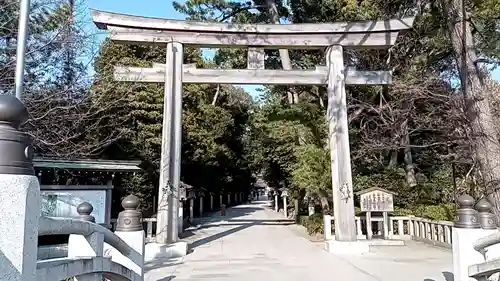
(161, 263)
(448, 276)
(168, 278)
(238, 227)
(231, 212)
(234, 218)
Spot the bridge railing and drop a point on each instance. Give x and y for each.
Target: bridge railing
(94, 252)
(401, 228)
(204, 203)
(424, 230)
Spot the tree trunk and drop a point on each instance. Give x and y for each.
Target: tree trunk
(214, 100)
(405, 142)
(408, 158)
(393, 161)
(293, 98)
(485, 141)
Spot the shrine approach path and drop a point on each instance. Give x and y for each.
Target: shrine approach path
(252, 242)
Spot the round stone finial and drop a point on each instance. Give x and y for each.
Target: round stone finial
(483, 206)
(487, 220)
(465, 201)
(466, 216)
(129, 219)
(84, 210)
(130, 202)
(12, 111)
(15, 145)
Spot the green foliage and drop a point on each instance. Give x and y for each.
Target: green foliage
(312, 172)
(313, 224)
(443, 211)
(437, 212)
(434, 186)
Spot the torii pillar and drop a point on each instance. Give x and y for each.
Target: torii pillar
(170, 162)
(343, 198)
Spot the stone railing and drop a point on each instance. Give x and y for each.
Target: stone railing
(329, 228)
(474, 237)
(95, 252)
(400, 228)
(149, 224)
(432, 232)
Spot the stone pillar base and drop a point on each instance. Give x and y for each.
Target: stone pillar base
(164, 251)
(347, 247)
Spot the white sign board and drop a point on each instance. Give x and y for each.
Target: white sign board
(63, 203)
(377, 201)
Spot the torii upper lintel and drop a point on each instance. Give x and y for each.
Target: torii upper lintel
(357, 34)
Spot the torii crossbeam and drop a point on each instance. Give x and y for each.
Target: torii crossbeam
(175, 34)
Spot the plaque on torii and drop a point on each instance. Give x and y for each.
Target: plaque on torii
(334, 37)
(376, 200)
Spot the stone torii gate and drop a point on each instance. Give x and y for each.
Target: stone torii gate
(174, 34)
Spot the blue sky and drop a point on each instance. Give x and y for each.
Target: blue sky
(164, 9)
(150, 8)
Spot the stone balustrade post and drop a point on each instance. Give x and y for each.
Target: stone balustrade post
(276, 207)
(130, 229)
(285, 207)
(466, 231)
(385, 226)
(86, 246)
(20, 200)
(211, 201)
(284, 194)
(191, 208)
(296, 210)
(180, 225)
(220, 199)
(201, 205)
(327, 223)
(228, 199)
(236, 198)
